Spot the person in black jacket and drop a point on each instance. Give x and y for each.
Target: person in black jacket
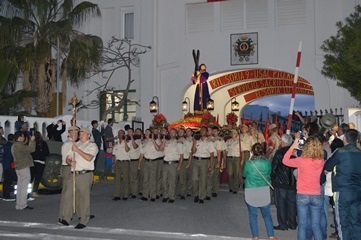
(346, 186)
(56, 130)
(39, 157)
(284, 184)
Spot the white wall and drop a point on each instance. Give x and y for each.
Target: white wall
(165, 71)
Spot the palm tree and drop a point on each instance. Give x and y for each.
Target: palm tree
(29, 35)
(10, 99)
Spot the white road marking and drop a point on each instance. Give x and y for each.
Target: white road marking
(106, 232)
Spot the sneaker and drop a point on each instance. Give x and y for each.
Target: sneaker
(31, 199)
(35, 195)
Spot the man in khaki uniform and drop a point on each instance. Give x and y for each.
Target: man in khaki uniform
(203, 157)
(66, 198)
(149, 152)
(85, 152)
(134, 153)
(121, 165)
(213, 176)
(173, 159)
(258, 134)
(233, 161)
(246, 146)
(185, 168)
(273, 142)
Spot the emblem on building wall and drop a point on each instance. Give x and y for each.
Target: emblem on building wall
(244, 48)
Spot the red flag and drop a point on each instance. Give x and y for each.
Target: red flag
(265, 131)
(276, 121)
(217, 119)
(243, 119)
(282, 129)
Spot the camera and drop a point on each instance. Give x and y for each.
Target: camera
(301, 143)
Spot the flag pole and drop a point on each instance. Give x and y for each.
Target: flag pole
(294, 88)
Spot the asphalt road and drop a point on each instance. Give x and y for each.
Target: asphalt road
(224, 217)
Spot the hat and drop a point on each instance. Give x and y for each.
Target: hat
(86, 130)
(234, 131)
(272, 126)
(313, 118)
(73, 128)
(244, 125)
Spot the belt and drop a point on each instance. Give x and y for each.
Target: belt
(245, 151)
(200, 158)
(133, 160)
(151, 160)
(170, 162)
(123, 160)
(185, 159)
(82, 172)
(233, 156)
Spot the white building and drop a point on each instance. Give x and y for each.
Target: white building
(174, 27)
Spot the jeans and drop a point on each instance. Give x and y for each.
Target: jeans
(285, 201)
(309, 209)
(266, 213)
(324, 213)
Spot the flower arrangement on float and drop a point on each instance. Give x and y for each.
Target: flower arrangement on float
(159, 120)
(231, 119)
(195, 121)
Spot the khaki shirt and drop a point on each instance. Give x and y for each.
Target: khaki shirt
(246, 142)
(204, 148)
(233, 147)
(134, 153)
(159, 153)
(66, 150)
(89, 148)
(120, 153)
(172, 150)
(274, 142)
(148, 150)
(187, 147)
(219, 144)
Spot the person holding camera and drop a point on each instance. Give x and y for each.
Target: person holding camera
(56, 130)
(309, 198)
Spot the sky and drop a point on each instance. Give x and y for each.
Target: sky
(281, 103)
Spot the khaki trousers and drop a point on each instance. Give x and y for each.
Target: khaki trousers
(150, 178)
(183, 178)
(66, 197)
(141, 177)
(246, 155)
(199, 178)
(83, 183)
(213, 180)
(169, 178)
(159, 177)
(233, 172)
(133, 178)
(22, 187)
(121, 180)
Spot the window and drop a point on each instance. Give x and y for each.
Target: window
(127, 23)
(112, 98)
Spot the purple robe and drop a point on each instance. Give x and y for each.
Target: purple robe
(205, 93)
